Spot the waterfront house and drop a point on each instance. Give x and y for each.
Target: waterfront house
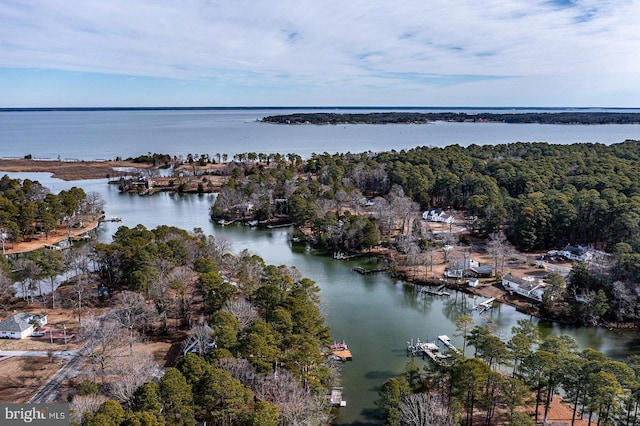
(481, 271)
(437, 215)
(21, 325)
(532, 288)
(461, 268)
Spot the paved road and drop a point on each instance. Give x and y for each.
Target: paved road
(63, 354)
(49, 392)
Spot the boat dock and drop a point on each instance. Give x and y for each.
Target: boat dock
(364, 271)
(341, 351)
(336, 397)
(437, 292)
(111, 219)
(428, 349)
(484, 306)
(446, 341)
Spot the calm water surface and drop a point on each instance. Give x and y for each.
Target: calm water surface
(374, 314)
(90, 135)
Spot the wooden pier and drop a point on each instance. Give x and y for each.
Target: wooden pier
(428, 349)
(437, 292)
(341, 351)
(364, 271)
(484, 306)
(336, 397)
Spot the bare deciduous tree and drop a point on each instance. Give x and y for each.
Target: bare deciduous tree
(423, 409)
(201, 340)
(242, 310)
(131, 374)
(298, 405)
(6, 287)
(159, 291)
(498, 247)
(83, 404)
(132, 313)
(106, 341)
(239, 368)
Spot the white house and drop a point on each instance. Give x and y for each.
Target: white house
(527, 287)
(437, 215)
(21, 325)
(577, 254)
(461, 268)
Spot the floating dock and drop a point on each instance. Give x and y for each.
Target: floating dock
(446, 341)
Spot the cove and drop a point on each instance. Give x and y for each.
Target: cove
(374, 314)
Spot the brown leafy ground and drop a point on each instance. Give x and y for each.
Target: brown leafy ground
(21, 377)
(40, 240)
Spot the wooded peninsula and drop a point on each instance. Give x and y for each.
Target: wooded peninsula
(430, 117)
(261, 322)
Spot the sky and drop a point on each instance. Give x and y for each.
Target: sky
(145, 53)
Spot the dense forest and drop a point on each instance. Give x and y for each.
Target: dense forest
(429, 117)
(540, 196)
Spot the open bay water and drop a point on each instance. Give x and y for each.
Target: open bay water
(374, 314)
(107, 134)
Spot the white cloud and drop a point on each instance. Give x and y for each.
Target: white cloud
(403, 45)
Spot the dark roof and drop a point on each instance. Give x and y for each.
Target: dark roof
(482, 269)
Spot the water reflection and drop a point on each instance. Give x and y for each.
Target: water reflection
(375, 314)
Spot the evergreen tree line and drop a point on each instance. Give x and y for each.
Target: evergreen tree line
(541, 196)
(27, 207)
(421, 118)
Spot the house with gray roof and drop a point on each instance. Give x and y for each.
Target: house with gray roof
(21, 325)
(437, 215)
(531, 288)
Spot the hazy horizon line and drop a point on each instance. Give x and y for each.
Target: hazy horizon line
(319, 107)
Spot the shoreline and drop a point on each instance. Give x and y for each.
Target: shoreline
(61, 234)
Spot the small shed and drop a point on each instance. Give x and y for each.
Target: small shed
(473, 282)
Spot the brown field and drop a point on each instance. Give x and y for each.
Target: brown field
(68, 170)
